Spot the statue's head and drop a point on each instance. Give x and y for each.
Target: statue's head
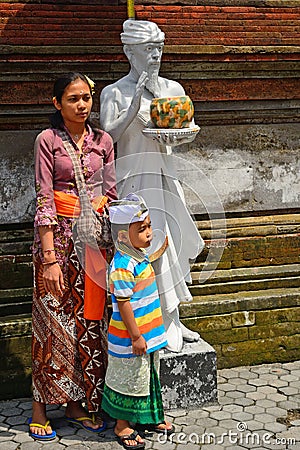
(143, 44)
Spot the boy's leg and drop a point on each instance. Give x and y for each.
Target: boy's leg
(123, 430)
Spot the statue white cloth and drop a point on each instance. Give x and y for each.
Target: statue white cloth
(145, 167)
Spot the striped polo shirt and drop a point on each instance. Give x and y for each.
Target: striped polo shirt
(132, 278)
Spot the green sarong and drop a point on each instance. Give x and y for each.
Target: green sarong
(144, 410)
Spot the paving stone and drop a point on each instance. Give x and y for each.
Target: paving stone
(288, 404)
(187, 446)
(275, 427)
(225, 401)
(261, 369)
(177, 413)
(6, 436)
(292, 433)
(14, 411)
(248, 375)
(198, 414)
(25, 405)
(289, 378)
(267, 389)
(291, 365)
(18, 429)
(257, 382)
(264, 418)
(253, 425)
(208, 422)
(278, 383)
(211, 408)
(246, 388)
(244, 401)
(22, 437)
(233, 408)
(273, 445)
(226, 387)
(265, 403)
(164, 445)
(242, 416)
(234, 394)
(229, 373)
(238, 381)
(288, 390)
(254, 409)
(5, 405)
(279, 371)
(15, 420)
(221, 380)
(295, 384)
(276, 397)
(215, 447)
(220, 415)
(295, 423)
(268, 377)
(256, 395)
(9, 445)
(275, 411)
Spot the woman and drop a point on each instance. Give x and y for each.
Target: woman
(69, 351)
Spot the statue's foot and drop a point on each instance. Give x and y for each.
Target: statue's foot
(189, 335)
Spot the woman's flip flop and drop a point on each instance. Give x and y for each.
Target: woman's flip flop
(41, 437)
(79, 421)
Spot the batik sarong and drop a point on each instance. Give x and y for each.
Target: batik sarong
(69, 352)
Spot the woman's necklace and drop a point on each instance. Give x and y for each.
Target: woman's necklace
(78, 137)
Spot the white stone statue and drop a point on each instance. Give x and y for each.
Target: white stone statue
(144, 166)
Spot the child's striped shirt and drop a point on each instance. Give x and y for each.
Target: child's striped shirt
(132, 278)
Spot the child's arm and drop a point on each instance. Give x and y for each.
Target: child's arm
(139, 345)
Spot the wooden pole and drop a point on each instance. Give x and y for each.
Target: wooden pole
(130, 9)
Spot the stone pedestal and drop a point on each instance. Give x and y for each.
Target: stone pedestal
(189, 378)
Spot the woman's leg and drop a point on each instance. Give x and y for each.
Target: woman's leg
(39, 416)
(75, 410)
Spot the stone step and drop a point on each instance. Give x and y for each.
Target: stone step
(15, 301)
(16, 241)
(250, 226)
(265, 299)
(248, 285)
(245, 279)
(250, 241)
(16, 271)
(244, 273)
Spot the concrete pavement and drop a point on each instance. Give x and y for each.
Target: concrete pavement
(258, 407)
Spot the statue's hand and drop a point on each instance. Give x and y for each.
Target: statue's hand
(172, 140)
(140, 86)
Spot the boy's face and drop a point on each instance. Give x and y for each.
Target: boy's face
(140, 233)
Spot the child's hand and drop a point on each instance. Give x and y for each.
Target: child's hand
(139, 346)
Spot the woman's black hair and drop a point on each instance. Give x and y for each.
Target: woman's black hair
(59, 88)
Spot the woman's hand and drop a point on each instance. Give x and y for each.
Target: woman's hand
(53, 279)
(139, 346)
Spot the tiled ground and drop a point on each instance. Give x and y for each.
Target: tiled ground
(259, 407)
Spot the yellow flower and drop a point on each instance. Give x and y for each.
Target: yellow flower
(91, 84)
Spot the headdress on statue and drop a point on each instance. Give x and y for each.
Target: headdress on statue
(128, 210)
(141, 32)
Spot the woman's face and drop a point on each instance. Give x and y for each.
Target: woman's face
(76, 102)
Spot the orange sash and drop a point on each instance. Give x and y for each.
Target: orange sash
(68, 205)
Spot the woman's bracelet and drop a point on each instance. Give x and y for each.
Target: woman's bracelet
(136, 338)
(48, 251)
(50, 263)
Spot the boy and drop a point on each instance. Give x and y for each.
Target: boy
(136, 332)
